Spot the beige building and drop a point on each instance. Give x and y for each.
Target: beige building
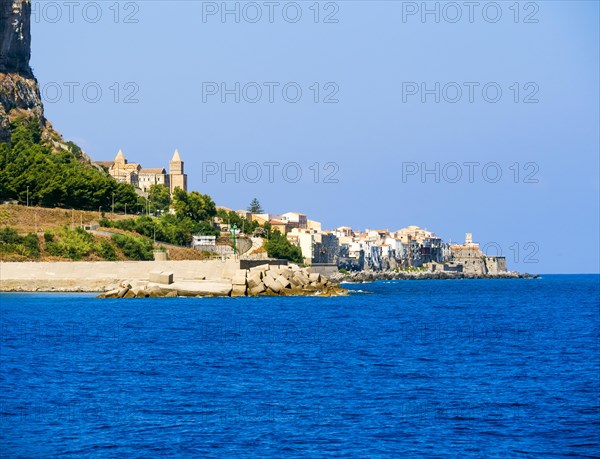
(123, 171)
(295, 220)
(306, 240)
(473, 260)
(143, 178)
(413, 233)
(279, 225)
(314, 225)
(149, 177)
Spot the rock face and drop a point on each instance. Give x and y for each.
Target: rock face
(19, 90)
(15, 37)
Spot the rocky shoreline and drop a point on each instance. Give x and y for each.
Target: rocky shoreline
(197, 278)
(372, 276)
(263, 280)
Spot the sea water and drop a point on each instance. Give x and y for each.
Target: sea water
(412, 369)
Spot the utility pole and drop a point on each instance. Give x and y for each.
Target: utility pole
(100, 211)
(125, 208)
(233, 230)
(27, 195)
(113, 203)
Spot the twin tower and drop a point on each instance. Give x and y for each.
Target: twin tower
(143, 178)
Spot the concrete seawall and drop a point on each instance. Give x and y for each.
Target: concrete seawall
(100, 276)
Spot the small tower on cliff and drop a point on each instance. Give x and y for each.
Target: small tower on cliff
(177, 177)
(120, 158)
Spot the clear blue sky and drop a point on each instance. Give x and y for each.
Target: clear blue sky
(376, 128)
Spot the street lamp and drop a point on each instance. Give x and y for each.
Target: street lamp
(233, 231)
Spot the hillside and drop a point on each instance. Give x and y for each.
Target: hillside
(42, 234)
(31, 219)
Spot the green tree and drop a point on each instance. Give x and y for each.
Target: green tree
(198, 207)
(62, 179)
(255, 207)
(279, 247)
(160, 198)
(134, 248)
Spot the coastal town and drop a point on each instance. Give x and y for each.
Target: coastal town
(326, 250)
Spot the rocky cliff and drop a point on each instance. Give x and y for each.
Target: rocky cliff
(19, 90)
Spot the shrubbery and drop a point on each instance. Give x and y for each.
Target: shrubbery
(71, 243)
(134, 248)
(11, 242)
(106, 251)
(74, 244)
(279, 247)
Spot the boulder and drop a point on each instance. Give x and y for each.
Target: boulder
(259, 268)
(254, 280)
(129, 294)
(294, 282)
(283, 281)
(258, 289)
(202, 288)
(300, 279)
(271, 274)
(155, 292)
(122, 292)
(287, 273)
(272, 284)
(238, 290)
(314, 277)
(171, 294)
(110, 294)
(239, 278)
(161, 277)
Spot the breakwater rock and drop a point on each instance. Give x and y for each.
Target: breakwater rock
(372, 276)
(263, 280)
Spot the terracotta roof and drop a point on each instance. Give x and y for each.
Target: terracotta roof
(277, 222)
(105, 163)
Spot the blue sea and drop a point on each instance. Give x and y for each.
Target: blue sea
(412, 369)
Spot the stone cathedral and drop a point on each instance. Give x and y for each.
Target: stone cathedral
(143, 178)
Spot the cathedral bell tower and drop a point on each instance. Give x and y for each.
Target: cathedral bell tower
(177, 177)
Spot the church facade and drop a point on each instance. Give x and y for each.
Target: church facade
(143, 178)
